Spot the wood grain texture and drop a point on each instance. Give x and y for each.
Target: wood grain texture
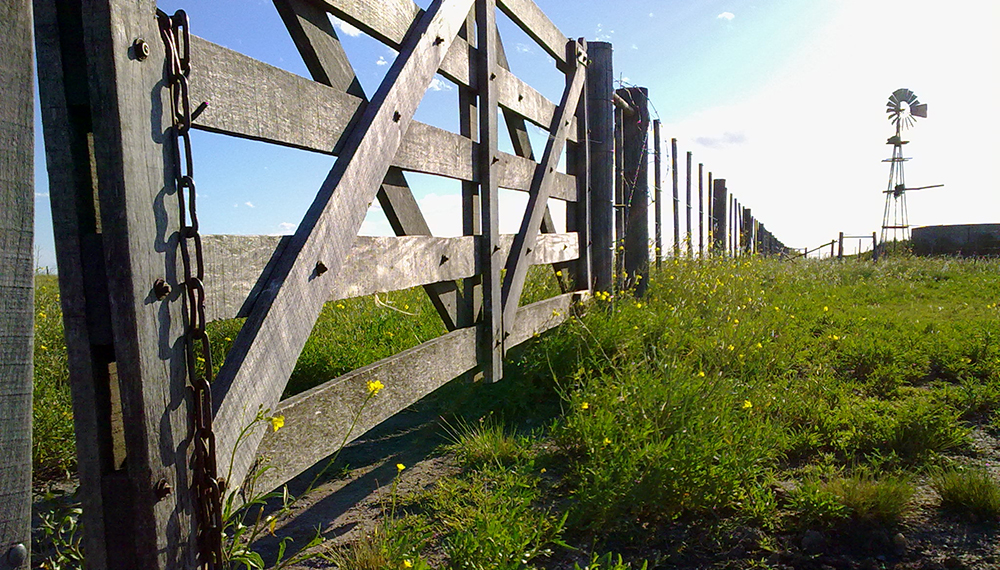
(657, 197)
(530, 18)
(269, 343)
(524, 242)
(318, 421)
(17, 310)
(64, 101)
(137, 217)
(600, 87)
(320, 48)
(578, 214)
(250, 99)
(489, 347)
(238, 267)
(718, 213)
(388, 22)
(636, 167)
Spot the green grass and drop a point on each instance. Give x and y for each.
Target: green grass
(683, 408)
(972, 491)
(53, 443)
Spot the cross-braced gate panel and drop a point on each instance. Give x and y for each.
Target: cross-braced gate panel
(108, 132)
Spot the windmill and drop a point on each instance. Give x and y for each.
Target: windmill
(903, 109)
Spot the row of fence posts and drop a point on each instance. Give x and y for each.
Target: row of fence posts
(621, 160)
(732, 228)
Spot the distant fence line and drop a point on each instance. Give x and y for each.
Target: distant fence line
(138, 282)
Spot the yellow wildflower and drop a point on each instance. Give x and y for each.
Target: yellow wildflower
(584, 406)
(400, 467)
(825, 309)
(607, 441)
(340, 305)
(375, 386)
(701, 373)
(759, 345)
(229, 339)
(43, 315)
(747, 404)
(407, 564)
(559, 273)
(277, 422)
(731, 347)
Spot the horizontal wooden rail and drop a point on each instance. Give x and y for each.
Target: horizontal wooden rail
(319, 419)
(388, 21)
(530, 18)
(251, 99)
(237, 267)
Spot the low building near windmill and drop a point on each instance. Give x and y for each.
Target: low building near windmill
(965, 240)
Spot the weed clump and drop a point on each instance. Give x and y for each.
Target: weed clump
(968, 491)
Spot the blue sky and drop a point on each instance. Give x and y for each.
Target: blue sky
(785, 99)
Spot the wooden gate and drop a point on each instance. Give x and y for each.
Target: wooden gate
(107, 125)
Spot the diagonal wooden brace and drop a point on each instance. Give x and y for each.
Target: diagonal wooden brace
(541, 187)
(264, 353)
(323, 55)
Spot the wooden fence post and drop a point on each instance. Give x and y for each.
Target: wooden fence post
(687, 199)
(710, 237)
(579, 160)
(636, 169)
(600, 91)
(840, 246)
(720, 202)
(490, 260)
(621, 207)
(17, 311)
(677, 223)
(701, 211)
(657, 195)
(747, 231)
(105, 110)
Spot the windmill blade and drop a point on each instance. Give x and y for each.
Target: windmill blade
(919, 110)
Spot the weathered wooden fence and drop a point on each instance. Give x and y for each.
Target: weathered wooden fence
(138, 282)
(120, 87)
(17, 270)
(732, 229)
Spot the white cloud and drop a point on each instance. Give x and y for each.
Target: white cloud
(41, 194)
(439, 85)
(287, 227)
(728, 16)
(381, 61)
(726, 139)
(249, 204)
(522, 48)
(635, 46)
(345, 27)
(602, 36)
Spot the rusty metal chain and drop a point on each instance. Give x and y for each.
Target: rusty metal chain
(208, 488)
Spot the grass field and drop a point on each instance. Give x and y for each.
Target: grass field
(739, 402)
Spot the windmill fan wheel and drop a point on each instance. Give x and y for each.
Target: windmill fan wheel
(903, 108)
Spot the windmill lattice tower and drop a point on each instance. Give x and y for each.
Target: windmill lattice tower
(902, 108)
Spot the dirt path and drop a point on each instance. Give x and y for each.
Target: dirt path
(347, 501)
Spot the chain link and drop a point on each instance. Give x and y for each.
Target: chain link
(208, 488)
